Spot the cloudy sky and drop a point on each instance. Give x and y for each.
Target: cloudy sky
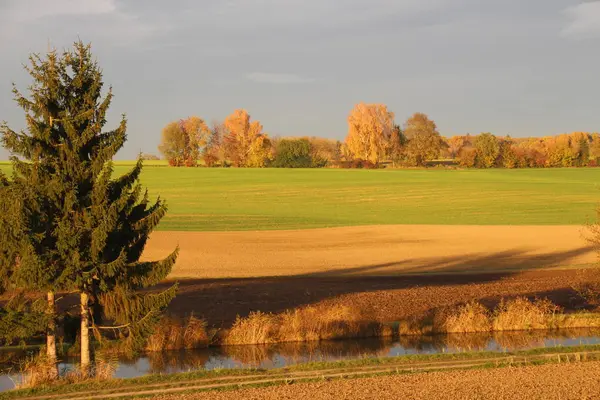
(506, 66)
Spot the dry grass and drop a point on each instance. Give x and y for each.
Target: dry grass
(471, 317)
(37, 371)
(174, 333)
(303, 324)
(256, 328)
(518, 314)
(521, 315)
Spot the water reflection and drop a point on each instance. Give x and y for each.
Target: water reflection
(284, 354)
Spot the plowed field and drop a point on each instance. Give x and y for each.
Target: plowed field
(374, 250)
(574, 381)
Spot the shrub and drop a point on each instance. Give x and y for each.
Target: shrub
(293, 153)
(362, 164)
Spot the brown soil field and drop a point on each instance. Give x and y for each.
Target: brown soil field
(373, 250)
(563, 381)
(382, 299)
(386, 272)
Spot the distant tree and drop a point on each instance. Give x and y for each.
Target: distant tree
(323, 150)
(397, 147)
(424, 140)
(149, 157)
(174, 144)
(245, 143)
(183, 141)
(595, 146)
(198, 135)
(455, 145)
(293, 153)
(488, 149)
(370, 130)
(508, 156)
(214, 152)
(467, 157)
(581, 142)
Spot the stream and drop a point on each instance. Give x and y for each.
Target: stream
(285, 354)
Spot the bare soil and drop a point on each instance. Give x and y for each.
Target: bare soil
(382, 299)
(386, 272)
(373, 250)
(559, 381)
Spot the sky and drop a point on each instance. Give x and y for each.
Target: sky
(524, 68)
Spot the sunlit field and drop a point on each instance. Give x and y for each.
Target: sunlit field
(225, 199)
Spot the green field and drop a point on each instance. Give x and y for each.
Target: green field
(203, 199)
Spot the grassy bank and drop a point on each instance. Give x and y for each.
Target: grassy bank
(204, 199)
(231, 379)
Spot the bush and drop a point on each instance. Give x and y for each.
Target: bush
(362, 164)
(293, 153)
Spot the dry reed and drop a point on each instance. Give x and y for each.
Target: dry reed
(470, 317)
(176, 333)
(303, 324)
(521, 314)
(37, 371)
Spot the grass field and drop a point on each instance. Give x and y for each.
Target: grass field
(202, 199)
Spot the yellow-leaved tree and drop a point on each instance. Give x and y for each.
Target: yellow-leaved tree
(245, 143)
(370, 129)
(424, 140)
(182, 141)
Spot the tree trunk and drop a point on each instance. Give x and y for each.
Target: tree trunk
(51, 334)
(85, 334)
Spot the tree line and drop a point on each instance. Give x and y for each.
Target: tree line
(373, 140)
(67, 226)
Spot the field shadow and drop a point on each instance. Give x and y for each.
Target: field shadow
(221, 300)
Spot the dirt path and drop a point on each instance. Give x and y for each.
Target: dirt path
(240, 381)
(372, 250)
(566, 381)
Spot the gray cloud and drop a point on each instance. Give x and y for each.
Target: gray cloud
(505, 66)
(584, 20)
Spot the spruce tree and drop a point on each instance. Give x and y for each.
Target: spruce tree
(96, 226)
(29, 249)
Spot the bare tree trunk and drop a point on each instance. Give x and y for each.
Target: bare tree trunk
(51, 334)
(85, 333)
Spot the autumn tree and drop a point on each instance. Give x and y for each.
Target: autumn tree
(397, 147)
(246, 145)
(455, 145)
(183, 141)
(214, 151)
(487, 148)
(424, 140)
(370, 131)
